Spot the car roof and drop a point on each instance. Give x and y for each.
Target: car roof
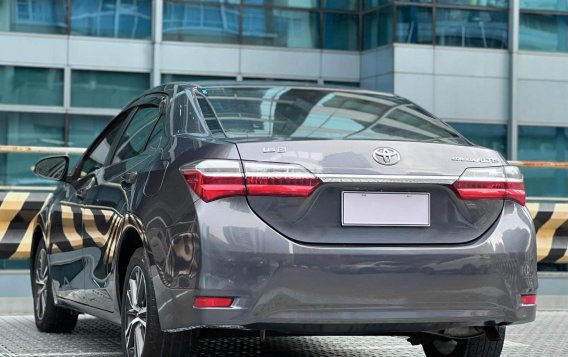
(174, 87)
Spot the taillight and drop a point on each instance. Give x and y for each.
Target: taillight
(214, 179)
(271, 179)
(492, 183)
(529, 299)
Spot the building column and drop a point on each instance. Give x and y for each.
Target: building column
(513, 133)
(157, 17)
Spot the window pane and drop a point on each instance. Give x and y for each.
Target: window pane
(491, 136)
(83, 129)
(96, 89)
(201, 23)
(98, 155)
(342, 4)
(40, 16)
(385, 26)
(472, 28)
(34, 86)
(552, 5)
(32, 129)
(284, 28)
(110, 18)
(414, 25)
(343, 84)
(168, 78)
(310, 113)
(370, 30)
(134, 138)
(341, 31)
(544, 144)
(543, 32)
(369, 4)
(486, 3)
(308, 4)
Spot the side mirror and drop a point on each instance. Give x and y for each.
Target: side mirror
(53, 167)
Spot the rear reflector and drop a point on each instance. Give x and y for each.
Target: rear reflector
(203, 302)
(528, 299)
(214, 179)
(492, 183)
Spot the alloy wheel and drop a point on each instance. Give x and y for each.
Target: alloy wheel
(41, 280)
(136, 311)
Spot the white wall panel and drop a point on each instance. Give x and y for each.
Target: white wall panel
(543, 66)
(475, 98)
(385, 83)
(110, 54)
(416, 87)
(341, 66)
(195, 58)
(284, 63)
(471, 62)
(22, 49)
(543, 102)
(415, 59)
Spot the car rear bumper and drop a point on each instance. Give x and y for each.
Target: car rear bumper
(288, 287)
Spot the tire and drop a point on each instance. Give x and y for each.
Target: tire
(139, 315)
(48, 316)
(474, 347)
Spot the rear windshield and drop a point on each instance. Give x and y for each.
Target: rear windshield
(312, 113)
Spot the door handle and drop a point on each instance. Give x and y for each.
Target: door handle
(128, 178)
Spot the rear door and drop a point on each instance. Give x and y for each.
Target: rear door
(111, 198)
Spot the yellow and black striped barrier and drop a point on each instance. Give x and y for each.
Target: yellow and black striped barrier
(18, 211)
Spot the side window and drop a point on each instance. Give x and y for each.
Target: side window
(134, 138)
(157, 134)
(97, 157)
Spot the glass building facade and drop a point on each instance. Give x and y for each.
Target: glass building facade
(67, 105)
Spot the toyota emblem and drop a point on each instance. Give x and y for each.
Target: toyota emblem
(386, 156)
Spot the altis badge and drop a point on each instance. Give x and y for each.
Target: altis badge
(481, 160)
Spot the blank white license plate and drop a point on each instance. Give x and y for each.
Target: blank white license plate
(385, 209)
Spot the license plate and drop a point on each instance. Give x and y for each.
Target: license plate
(385, 209)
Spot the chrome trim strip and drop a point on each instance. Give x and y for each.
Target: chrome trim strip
(342, 178)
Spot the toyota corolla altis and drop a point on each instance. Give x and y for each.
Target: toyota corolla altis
(289, 210)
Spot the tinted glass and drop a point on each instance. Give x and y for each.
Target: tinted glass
(157, 134)
(472, 28)
(341, 31)
(39, 16)
(98, 155)
(168, 78)
(414, 25)
(201, 23)
(544, 144)
(111, 18)
(385, 25)
(83, 129)
(29, 85)
(491, 136)
(543, 32)
(136, 134)
(290, 3)
(32, 129)
(284, 28)
(97, 89)
(486, 3)
(552, 5)
(368, 4)
(342, 4)
(321, 114)
(370, 30)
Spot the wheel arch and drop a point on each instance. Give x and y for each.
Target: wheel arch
(130, 241)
